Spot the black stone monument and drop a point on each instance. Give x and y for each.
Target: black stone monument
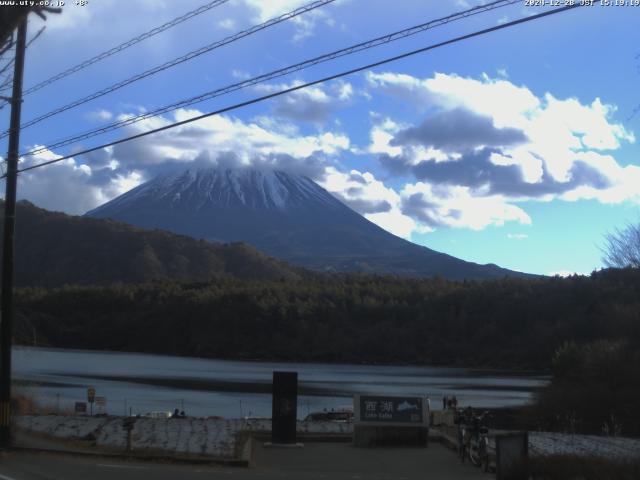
(284, 408)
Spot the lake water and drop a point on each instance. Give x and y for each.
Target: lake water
(140, 383)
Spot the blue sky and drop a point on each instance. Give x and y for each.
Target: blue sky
(518, 148)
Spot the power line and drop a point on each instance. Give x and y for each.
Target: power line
(278, 73)
(6, 81)
(6, 46)
(308, 84)
(35, 37)
(123, 46)
(10, 62)
(176, 61)
(9, 80)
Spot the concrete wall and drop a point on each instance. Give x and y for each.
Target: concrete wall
(373, 436)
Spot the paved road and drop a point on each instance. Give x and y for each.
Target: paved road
(314, 461)
(343, 461)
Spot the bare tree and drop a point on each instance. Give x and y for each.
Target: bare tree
(622, 248)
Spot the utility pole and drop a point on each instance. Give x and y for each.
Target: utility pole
(6, 302)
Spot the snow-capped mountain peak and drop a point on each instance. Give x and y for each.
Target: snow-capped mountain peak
(282, 214)
(211, 187)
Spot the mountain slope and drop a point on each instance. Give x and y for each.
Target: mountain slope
(284, 215)
(53, 249)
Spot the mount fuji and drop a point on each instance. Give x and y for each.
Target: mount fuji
(284, 215)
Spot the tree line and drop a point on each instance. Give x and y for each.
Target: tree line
(512, 323)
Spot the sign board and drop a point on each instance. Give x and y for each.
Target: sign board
(81, 407)
(101, 401)
(284, 407)
(91, 394)
(390, 410)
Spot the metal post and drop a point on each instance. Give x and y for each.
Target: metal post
(6, 305)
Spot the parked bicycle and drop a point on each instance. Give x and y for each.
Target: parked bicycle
(473, 438)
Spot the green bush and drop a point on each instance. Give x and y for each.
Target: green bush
(595, 389)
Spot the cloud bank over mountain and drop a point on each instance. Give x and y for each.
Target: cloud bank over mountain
(481, 147)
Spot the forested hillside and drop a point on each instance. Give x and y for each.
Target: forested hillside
(53, 249)
(505, 323)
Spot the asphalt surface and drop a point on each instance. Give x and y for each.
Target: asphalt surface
(314, 461)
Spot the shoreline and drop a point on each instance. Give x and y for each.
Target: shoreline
(485, 370)
(213, 385)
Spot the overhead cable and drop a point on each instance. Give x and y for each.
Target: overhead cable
(388, 38)
(123, 46)
(176, 61)
(308, 84)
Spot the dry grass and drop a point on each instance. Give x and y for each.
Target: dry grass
(22, 404)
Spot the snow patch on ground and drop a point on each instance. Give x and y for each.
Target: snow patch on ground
(618, 448)
(543, 444)
(216, 438)
(188, 436)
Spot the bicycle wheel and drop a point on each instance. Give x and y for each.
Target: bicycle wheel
(485, 464)
(474, 454)
(484, 454)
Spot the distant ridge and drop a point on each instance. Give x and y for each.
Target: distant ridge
(53, 249)
(284, 215)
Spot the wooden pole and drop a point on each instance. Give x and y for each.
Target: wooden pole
(6, 302)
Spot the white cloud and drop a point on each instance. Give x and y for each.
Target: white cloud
(402, 86)
(70, 186)
(79, 184)
(268, 142)
(71, 16)
(346, 91)
(370, 197)
(100, 115)
(381, 135)
(239, 74)
(227, 24)
(311, 104)
(590, 123)
(217, 134)
(273, 8)
(517, 236)
(507, 104)
(305, 23)
(457, 207)
(566, 154)
(75, 187)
